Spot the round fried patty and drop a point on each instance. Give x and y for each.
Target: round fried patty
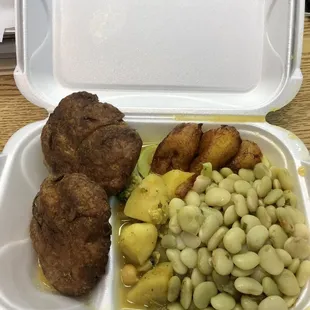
(87, 136)
(70, 232)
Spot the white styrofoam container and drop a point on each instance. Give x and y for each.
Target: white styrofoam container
(161, 62)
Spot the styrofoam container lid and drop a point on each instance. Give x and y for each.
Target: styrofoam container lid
(155, 60)
(162, 57)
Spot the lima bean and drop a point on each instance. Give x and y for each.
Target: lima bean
(211, 211)
(174, 306)
(240, 205)
(222, 262)
(174, 225)
(255, 184)
(234, 176)
(290, 300)
(263, 216)
(234, 239)
(296, 215)
(225, 172)
(270, 261)
(259, 274)
(208, 228)
(237, 272)
(285, 179)
(252, 200)
(203, 262)
(201, 183)
(274, 303)
(303, 273)
(266, 162)
(264, 187)
(270, 287)
(197, 277)
(174, 288)
(261, 203)
(301, 230)
(257, 237)
(175, 205)
(297, 247)
(277, 236)
(246, 261)
(186, 293)
(177, 265)
(248, 222)
(168, 242)
(189, 219)
(223, 301)
(230, 215)
(203, 294)
(190, 240)
(271, 210)
(285, 220)
(274, 172)
(281, 202)
(248, 303)
(276, 184)
(248, 285)
(180, 243)
(285, 257)
(189, 257)
(242, 187)
(216, 177)
(192, 198)
(212, 185)
(227, 184)
(291, 198)
(217, 197)
(287, 283)
(273, 196)
(236, 224)
(217, 238)
(261, 170)
(294, 265)
(246, 174)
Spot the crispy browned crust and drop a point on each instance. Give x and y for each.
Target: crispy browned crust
(218, 146)
(248, 156)
(77, 119)
(109, 155)
(178, 149)
(70, 232)
(185, 187)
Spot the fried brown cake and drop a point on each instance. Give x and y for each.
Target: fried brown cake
(70, 232)
(79, 123)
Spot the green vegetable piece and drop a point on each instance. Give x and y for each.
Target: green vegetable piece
(145, 160)
(206, 170)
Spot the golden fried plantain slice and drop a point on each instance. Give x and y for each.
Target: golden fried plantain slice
(217, 146)
(247, 157)
(178, 149)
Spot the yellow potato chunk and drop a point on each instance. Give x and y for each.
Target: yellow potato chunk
(152, 288)
(173, 179)
(137, 241)
(149, 201)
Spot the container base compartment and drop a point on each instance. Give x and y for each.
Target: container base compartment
(20, 181)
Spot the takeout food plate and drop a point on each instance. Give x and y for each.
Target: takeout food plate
(161, 63)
